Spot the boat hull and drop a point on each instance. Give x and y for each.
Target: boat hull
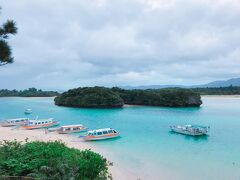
(13, 124)
(41, 126)
(102, 137)
(187, 132)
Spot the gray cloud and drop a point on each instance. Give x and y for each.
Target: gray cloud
(63, 44)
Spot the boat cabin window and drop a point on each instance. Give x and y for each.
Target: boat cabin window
(90, 134)
(22, 120)
(17, 121)
(45, 121)
(39, 123)
(74, 129)
(105, 132)
(114, 131)
(35, 123)
(99, 133)
(67, 129)
(110, 131)
(31, 123)
(94, 133)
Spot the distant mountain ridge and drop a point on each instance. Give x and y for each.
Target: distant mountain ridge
(226, 83)
(223, 83)
(152, 87)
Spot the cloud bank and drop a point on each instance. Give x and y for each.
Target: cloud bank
(64, 44)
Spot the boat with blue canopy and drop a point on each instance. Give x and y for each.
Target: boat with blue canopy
(28, 111)
(192, 130)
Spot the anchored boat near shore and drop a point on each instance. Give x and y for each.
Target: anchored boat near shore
(28, 111)
(71, 129)
(14, 122)
(100, 134)
(192, 130)
(41, 123)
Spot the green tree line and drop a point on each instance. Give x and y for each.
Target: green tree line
(171, 97)
(89, 97)
(31, 92)
(231, 90)
(116, 97)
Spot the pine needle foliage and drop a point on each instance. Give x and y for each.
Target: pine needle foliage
(6, 29)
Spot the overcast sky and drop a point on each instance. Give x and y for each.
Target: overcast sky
(63, 44)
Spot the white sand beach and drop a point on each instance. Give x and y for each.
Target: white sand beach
(220, 96)
(9, 133)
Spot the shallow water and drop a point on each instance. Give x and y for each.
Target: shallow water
(146, 146)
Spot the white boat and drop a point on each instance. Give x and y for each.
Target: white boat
(28, 111)
(100, 134)
(14, 122)
(71, 129)
(192, 130)
(41, 123)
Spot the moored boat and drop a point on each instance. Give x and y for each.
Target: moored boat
(71, 129)
(14, 122)
(28, 111)
(100, 134)
(192, 130)
(41, 123)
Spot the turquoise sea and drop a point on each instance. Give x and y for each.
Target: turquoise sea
(147, 147)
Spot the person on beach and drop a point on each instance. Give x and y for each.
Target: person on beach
(46, 130)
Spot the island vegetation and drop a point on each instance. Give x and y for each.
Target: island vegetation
(90, 97)
(116, 97)
(169, 97)
(31, 92)
(231, 90)
(50, 161)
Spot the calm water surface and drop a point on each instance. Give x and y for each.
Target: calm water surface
(146, 146)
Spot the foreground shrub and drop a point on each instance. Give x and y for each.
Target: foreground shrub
(51, 161)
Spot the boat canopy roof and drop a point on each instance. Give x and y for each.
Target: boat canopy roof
(40, 120)
(100, 130)
(192, 126)
(69, 126)
(199, 126)
(17, 119)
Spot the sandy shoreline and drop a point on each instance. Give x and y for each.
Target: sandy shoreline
(222, 96)
(9, 133)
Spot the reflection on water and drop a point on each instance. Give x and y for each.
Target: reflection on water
(201, 138)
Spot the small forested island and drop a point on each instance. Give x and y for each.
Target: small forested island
(31, 92)
(90, 97)
(116, 97)
(169, 97)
